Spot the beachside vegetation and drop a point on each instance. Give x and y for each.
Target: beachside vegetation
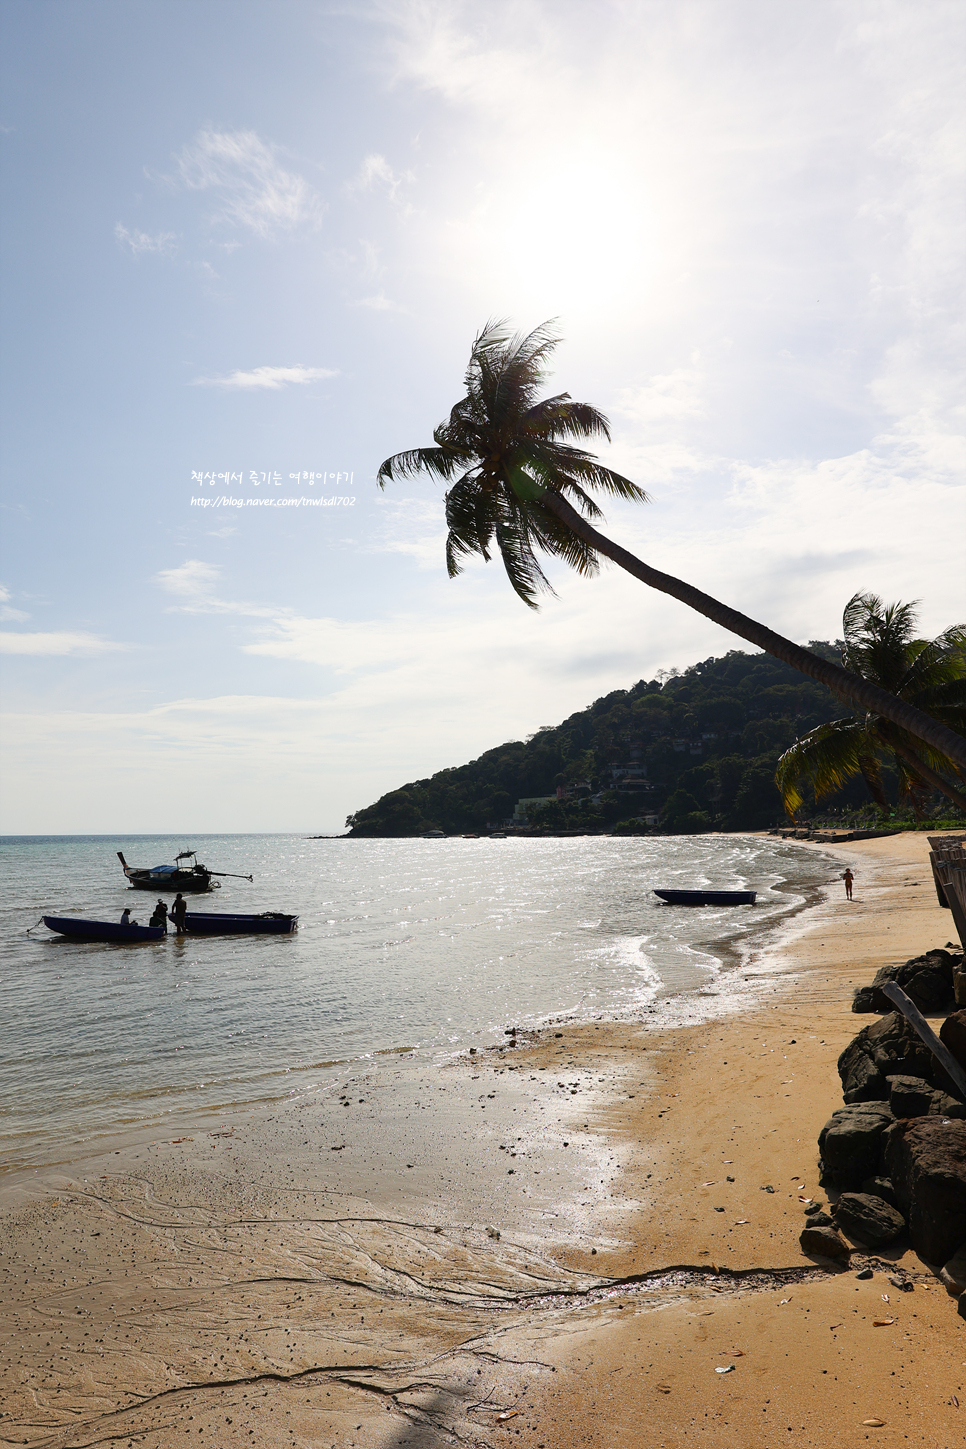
(514, 477)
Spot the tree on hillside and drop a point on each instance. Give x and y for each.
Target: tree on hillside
(881, 646)
(511, 472)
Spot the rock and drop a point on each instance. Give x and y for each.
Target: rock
(911, 1096)
(926, 1160)
(850, 1144)
(864, 999)
(865, 1083)
(824, 1243)
(959, 982)
(813, 1207)
(868, 1218)
(881, 1187)
(865, 1273)
(893, 1048)
(953, 1273)
(820, 1220)
(952, 1034)
(927, 980)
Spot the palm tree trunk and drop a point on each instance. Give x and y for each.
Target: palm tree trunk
(846, 686)
(927, 773)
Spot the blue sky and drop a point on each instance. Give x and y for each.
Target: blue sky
(253, 238)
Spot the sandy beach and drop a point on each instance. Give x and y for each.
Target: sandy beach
(557, 1243)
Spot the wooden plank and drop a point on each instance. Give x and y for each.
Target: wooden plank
(939, 1050)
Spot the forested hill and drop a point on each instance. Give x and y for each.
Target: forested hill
(696, 748)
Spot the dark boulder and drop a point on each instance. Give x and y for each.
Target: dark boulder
(952, 1034)
(824, 1243)
(865, 1083)
(927, 981)
(911, 1096)
(926, 1160)
(881, 1187)
(893, 1048)
(868, 1218)
(850, 1144)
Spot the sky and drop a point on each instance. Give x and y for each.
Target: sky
(246, 247)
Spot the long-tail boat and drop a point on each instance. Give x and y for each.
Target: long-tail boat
(176, 877)
(211, 923)
(81, 930)
(707, 898)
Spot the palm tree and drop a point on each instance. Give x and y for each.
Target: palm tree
(514, 475)
(880, 645)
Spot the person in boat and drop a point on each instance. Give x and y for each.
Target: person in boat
(126, 917)
(160, 916)
(179, 910)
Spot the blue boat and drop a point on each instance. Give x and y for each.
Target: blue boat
(81, 930)
(212, 923)
(707, 898)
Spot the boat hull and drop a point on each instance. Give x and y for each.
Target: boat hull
(707, 898)
(79, 930)
(164, 884)
(210, 923)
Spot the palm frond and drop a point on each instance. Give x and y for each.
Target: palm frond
(440, 462)
(825, 758)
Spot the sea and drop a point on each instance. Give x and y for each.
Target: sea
(404, 947)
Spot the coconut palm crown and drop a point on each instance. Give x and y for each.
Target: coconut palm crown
(512, 477)
(504, 443)
(881, 646)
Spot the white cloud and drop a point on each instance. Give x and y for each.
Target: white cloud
(256, 191)
(191, 580)
(376, 171)
(164, 242)
(378, 303)
(273, 378)
(57, 643)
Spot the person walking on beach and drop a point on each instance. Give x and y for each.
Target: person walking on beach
(848, 877)
(179, 910)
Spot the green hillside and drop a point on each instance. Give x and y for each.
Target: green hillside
(699, 748)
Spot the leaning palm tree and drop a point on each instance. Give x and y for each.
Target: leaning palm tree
(881, 646)
(517, 479)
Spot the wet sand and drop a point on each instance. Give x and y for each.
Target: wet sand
(524, 1246)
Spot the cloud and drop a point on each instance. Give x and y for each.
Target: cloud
(256, 192)
(376, 171)
(190, 580)
(163, 243)
(57, 643)
(273, 378)
(378, 303)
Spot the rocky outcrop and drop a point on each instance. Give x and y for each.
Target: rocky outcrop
(915, 1097)
(927, 980)
(952, 1034)
(889, 1047)
(926, 1160)
(870, 1219)
(850, 1144)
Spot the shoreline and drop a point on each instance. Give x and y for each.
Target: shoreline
(291, 1280)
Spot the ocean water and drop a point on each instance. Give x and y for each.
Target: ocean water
(425, 946)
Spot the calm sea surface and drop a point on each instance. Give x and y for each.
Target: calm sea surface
(421, 945)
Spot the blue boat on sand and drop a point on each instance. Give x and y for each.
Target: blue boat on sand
(81, 930)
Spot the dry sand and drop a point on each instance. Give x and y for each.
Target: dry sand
(540, 1246)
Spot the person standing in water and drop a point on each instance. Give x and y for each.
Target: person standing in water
(179, 910)
(848, 877)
